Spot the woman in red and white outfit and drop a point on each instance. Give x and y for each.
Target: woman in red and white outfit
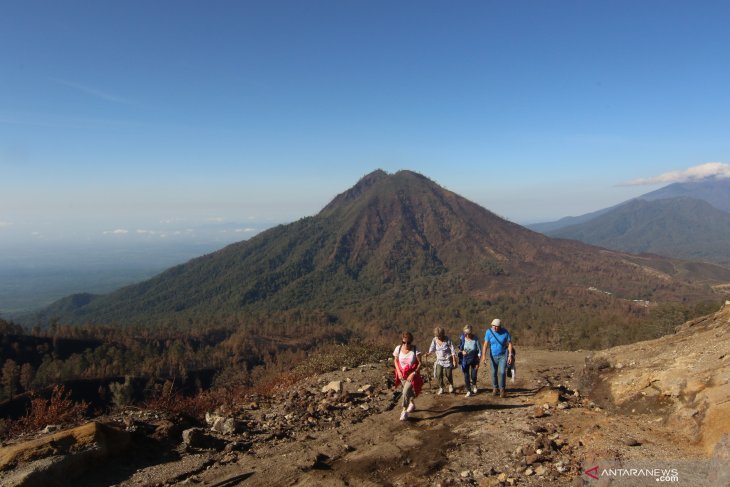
(407, 364)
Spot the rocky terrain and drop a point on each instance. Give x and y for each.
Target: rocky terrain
(684, 376)
(570, 418)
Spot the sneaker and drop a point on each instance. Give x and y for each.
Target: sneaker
(441, 391)
(468, 394)
(501, 393)
(411, 407)
(474, 389)
(404, 415)
(451, 389)
(495, 392)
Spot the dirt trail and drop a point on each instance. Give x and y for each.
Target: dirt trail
(524, 439)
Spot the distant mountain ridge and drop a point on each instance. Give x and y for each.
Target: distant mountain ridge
(715, 191)
(685, 228)
(397, 250)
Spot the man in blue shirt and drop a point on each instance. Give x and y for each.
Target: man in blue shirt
(500, 354)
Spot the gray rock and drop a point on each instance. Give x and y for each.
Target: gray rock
(720, 463)
(223, 424)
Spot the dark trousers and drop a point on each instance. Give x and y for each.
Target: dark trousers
(470, 375)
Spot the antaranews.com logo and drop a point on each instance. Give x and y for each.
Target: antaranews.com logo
(659, 474)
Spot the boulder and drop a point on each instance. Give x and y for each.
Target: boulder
(224, 425)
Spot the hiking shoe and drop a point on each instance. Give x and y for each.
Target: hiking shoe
(411, 407)
(501, 393)
(495, 392)
(474, 389)
(468, 394)
(451, 389)
(403, 415)
(441, 391)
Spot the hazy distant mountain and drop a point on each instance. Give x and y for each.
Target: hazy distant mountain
(567, 221)
(684, 228)
(396, 251)
(715, 191)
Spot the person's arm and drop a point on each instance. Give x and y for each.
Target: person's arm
(511, 353)
(484, 351)
(453, 353)
(479, 352)
(398, 373)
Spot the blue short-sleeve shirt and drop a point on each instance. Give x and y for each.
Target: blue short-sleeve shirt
(497, 340)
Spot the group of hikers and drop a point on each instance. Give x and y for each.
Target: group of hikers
(497, 347)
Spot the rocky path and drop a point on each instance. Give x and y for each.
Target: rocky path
(543, 433)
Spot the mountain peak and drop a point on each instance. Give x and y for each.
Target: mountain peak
(365, 183)
(399, 180)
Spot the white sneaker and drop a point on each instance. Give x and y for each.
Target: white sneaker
(441, 391)
(411, 407)
(468, 394)
(474, 389)
(404, 415)
(451, 389)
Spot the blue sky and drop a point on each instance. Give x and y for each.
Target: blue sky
(168, 116)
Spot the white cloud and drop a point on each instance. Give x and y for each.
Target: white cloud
(118, 231)
(5, 224)
(217, 219)
(245, 230)
(146, 232)
(695, 173)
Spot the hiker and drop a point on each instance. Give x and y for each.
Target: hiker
(407, 364)
(469, 352)
(501, 354)
(445, 359)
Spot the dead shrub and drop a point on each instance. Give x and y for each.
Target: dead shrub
(58, 409)
(192, 406)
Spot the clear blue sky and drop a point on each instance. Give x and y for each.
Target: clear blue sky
(129, 115)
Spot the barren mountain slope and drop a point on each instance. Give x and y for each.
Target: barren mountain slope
(686, 375)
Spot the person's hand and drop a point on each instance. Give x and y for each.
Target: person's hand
(509, 360)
